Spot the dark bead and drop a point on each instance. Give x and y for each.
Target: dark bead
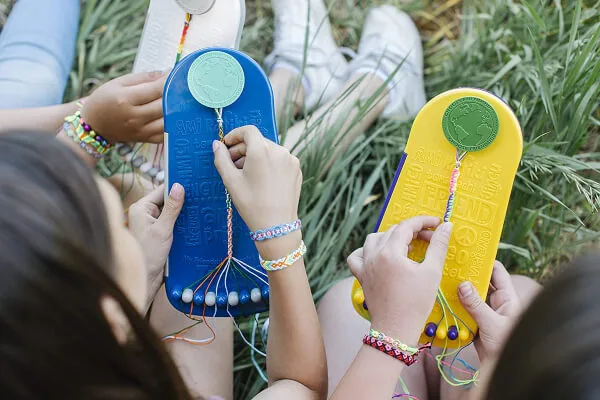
(175, 294)
(221, 300)
(452, 333)
(365, 306)
(199, 299)
(244, 296)
(430, 329)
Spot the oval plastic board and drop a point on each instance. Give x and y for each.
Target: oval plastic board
(421, 187)
(200, 236)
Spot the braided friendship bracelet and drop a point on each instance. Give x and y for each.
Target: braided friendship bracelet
(408, 359)
(286, 261)
(276, 231)
(395, 343)
(83, 134)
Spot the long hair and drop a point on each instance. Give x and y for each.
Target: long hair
(56, 264)
(554, 351)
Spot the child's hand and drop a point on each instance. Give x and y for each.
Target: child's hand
(128, 109)
(151, 221)
(265, 180)
(399, 292)
(496, 320)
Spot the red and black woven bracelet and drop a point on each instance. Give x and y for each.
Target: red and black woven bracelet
(390, 351)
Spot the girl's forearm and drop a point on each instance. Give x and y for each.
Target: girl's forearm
(41, 120)
(295, 345)
(372, 375)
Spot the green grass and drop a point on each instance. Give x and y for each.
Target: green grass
(541, 56)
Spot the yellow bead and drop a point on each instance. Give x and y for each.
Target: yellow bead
(463, 335)
(441, 333)
(358, 297)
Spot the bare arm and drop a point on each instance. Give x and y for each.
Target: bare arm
(45, 119)
(264, 184)
(295, 350)
(400, 294)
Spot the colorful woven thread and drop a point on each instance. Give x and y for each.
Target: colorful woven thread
(395, 343)
(83, 134)
(186, 27)
(388, 349)
(453, 184)
(276, 231)
(286, 261)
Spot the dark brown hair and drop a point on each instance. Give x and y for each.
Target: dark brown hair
(554, 351)
(55, 266)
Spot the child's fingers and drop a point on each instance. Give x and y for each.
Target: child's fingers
(403, 233)
(154, 130)
(504, 298)
(438, 246)
(140, 77)
(151, 111)
(238, 151)
(148, 92)
(425, 235)
(225, 166)
(356, 262)
(240, 162)
(248, 134)
(156, 139)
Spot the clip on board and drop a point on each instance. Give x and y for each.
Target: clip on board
(460, 162)
(213, 268)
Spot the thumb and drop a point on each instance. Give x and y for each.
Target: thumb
(172, 207)
(475, 306)
(356, 263)
(224, 164)
(438, 246)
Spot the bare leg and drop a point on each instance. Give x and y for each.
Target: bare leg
(361, 102)
(288, 94)
(343, 330)
(526, 289)
(207, 370)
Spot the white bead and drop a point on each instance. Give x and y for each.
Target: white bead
(160, 176)
(144, 168)
(210, 299)
(255, 295)
(187, 296)
(233, 299)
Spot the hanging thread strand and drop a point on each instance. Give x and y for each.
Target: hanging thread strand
(186, 27)
(453, 185)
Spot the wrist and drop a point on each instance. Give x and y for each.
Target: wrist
(273, 249)
(405, 333)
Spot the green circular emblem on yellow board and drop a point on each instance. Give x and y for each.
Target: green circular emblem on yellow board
(216, 79)
(470, 124)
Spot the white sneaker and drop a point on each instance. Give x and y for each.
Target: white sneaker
(390, 44)
(326, 68)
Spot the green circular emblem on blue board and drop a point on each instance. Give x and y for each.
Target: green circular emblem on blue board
(216, 79)
(470, 124)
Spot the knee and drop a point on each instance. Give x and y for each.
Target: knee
(526, 288)
(337, 297)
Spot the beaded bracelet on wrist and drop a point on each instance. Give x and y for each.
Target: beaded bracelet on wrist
(83, 134)
(276, 231)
